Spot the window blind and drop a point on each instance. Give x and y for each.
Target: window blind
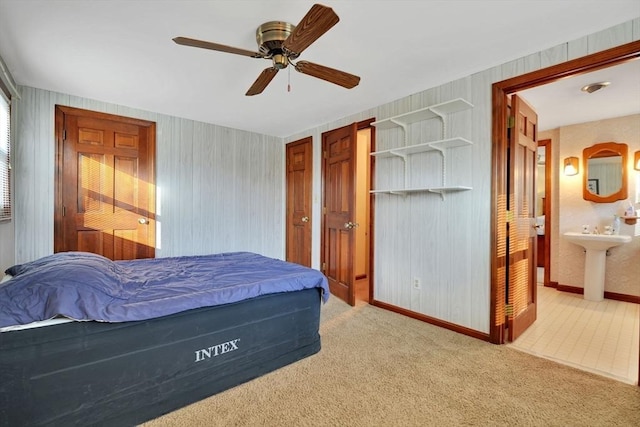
(5, 159)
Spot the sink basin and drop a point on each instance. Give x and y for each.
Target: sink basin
(599, 242)
(596, 246)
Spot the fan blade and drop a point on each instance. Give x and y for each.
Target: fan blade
(262, 81)
(329, 74)
(215, 46)
(315, 23)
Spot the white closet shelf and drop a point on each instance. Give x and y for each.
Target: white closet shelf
(439, 190)
(433, 111)
(420, 148)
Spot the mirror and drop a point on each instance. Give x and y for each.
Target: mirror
(605, 174)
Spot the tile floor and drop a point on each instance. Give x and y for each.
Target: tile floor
(600, 337)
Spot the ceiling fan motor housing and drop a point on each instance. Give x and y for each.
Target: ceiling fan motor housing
(270, 37)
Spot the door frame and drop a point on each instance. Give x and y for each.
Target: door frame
(500, 91)
(548, 179)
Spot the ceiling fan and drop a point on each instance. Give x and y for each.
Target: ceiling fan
(282, 43)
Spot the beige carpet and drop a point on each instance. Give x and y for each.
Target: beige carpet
(378, 368)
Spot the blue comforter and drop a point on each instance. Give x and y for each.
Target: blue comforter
(85, 286)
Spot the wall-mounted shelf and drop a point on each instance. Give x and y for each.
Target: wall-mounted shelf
(439, 190)
(403, 121)
(421, 148)
(431, 112)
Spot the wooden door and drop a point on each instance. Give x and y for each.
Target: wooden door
(521, 284)
(338, 236)
(299, 179)
(105, 190)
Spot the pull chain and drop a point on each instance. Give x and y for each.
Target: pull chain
(288, 79)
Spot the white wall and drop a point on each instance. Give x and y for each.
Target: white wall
(219, 189)
(445, 243)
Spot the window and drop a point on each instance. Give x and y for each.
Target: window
(5, 158)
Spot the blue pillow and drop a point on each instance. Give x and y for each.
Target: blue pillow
(72, 268)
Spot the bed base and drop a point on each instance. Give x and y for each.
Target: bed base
(87, 373)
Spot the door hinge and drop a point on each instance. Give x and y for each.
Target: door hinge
(508, 310)
(509, 216)
(511, 122)
(64, 134)
(324, 210)
(324, 266)
(324, 154)
(64, 211)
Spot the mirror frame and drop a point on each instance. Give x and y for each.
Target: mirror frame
(589, 152)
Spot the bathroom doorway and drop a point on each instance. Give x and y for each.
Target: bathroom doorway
(501, 91)
(568, 328)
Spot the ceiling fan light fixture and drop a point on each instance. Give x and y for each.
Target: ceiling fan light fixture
(593, 87)
(280, 61)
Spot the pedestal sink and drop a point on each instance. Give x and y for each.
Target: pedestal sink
(596, 246)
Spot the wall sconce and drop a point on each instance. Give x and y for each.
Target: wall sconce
(571, 166)
(636, 161)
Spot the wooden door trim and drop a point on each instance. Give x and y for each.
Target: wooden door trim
(548, 203)
(372, 170)
(59, 112)
(500, 91)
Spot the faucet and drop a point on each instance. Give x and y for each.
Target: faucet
(615, 226)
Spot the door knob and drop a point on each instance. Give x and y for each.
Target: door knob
(349, 225)
(142, 220)
(305, 219)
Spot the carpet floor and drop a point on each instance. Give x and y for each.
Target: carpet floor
(378, 368)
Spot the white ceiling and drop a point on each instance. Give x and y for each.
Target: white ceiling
(120, 51)
(563, 102)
